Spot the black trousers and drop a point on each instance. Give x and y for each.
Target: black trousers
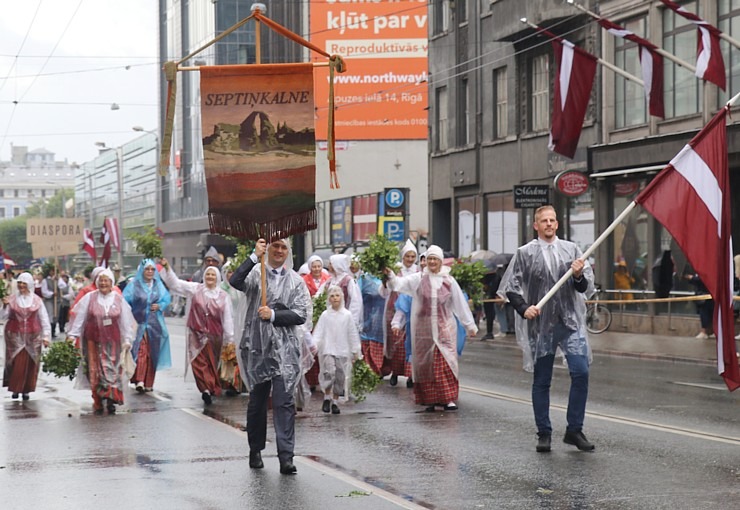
(283, 417)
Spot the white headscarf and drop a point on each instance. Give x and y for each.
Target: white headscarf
(409, 246)
(340, 263)
(215, 271)
(435, 251)
(95, 272)
(104, 272)
(312, 259)
(27, 279)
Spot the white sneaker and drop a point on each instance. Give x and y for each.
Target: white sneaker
(702, 336)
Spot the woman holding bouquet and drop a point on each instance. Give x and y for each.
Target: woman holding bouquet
(210, 323)
(26, 330)
(148, 298)
(105, 327)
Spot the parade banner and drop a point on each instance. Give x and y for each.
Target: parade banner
(49, 230)
(54, 249)
(259, 147)
(383, 95)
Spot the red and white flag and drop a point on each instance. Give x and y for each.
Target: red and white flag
(651, 63)
(710, 65)
(576, 71)
(111, 225)
(90, 246)
(105, 240)
(691, 198)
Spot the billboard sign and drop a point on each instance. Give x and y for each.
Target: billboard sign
(383, 94)
(48, 230)
(531, 196)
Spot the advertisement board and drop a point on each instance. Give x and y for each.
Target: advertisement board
(48, 230)
(383, 94)
(341, 221)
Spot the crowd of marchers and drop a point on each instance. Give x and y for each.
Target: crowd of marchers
(251, 329)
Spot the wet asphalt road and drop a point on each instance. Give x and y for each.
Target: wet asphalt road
(667, 435)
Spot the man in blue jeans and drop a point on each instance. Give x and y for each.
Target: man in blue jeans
(534, 270)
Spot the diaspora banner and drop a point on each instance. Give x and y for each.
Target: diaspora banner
(259, 147)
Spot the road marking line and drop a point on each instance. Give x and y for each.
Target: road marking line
(366, 487)
(343, 477)
(614, 419)
(720, 387)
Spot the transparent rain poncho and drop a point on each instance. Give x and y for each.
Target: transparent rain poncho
(141, 296)
(373, 306)
(529, 276)
(209, 317)
(437, 301)
(27, 324)
(271, 351)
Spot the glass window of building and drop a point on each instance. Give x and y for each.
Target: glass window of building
(463, 113)
(239, 47)
(440, 21)
(540, 93)
(322, 235)
(468, 225)
(581, 220)
(500, 104)
(502, 220)
(440, 110)
(16, 212)
(462, 11)
(729, 23)
(629, 260)
(2, 212)
(629, 97)
(682, 87)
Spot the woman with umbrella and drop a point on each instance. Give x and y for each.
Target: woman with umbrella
(26, 330)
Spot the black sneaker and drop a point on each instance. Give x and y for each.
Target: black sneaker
(335, 409)
(326, 406)
(543, 442)
(206, 398)
(577, 439)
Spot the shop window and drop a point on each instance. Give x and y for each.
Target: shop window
(468, 225)
(503, 223)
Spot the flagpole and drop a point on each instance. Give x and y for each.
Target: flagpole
(603, 62)
(587, 254)
(658, 50)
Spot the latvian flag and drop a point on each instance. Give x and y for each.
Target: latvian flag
(90, 246)
(691, 198)
(109, 236)
(651, 63)
(576, 71)
(710, 65)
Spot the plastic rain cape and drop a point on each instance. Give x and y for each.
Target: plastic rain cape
(529, 276)
(268, 351)
(141, 297)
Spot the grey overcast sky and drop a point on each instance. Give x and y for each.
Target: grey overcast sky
(63, 63)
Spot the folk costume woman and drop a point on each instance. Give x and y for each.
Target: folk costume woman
(341, 276)
(105, 328)
(231, 372)
(27, 328)
(371, 334)
(316, 277)
(149, 298)
(395, 343)
(437, 301)
(210, 323)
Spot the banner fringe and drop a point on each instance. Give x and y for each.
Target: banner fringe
(276, 229)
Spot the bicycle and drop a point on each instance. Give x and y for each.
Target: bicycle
(598, 316)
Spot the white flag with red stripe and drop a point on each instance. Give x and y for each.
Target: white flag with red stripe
(90, 246)
(112, 227)
(691, 198)
(576, 71)
(710, 65)
(651, 63)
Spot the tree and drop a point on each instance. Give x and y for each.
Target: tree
(50, 207)
(13, 239)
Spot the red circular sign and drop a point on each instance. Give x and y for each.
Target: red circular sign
(571, 183)
(625, 189)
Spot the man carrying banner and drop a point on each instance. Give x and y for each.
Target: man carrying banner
(535, 268)
(271, 346)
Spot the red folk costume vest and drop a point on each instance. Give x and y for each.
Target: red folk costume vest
(24, 320)
(102, 327)
(205, 313)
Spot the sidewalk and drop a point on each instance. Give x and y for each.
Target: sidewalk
(645, 346)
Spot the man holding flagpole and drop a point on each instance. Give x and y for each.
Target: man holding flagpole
(559, 323)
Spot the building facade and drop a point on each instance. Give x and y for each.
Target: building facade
(490, 103)
(31, 177)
